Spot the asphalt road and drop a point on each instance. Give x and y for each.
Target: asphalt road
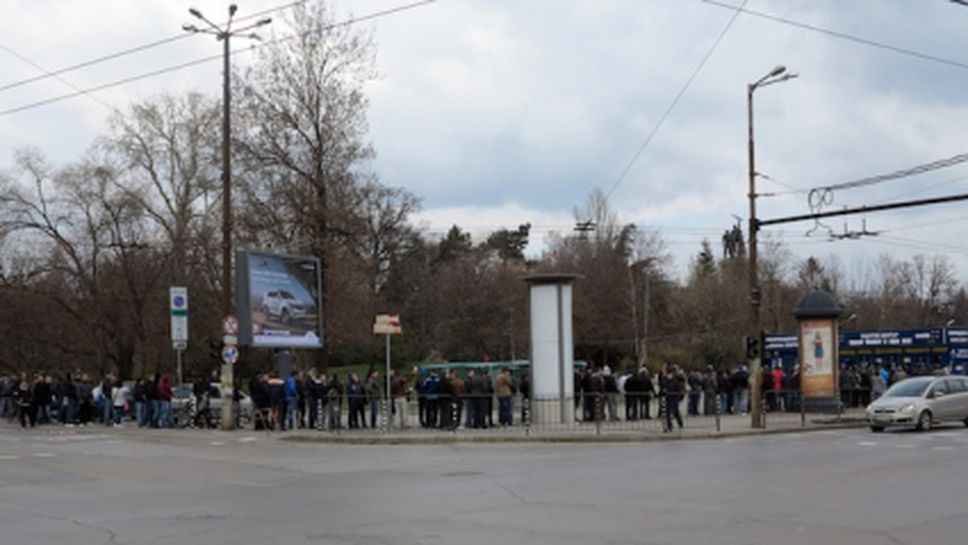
(841, 487)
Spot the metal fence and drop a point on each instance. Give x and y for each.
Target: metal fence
(582, 414)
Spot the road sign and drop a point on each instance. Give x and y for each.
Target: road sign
(230, 340)
(387, 324)
(178, 299)
(230, 354)
(230, 325)
(179, 345)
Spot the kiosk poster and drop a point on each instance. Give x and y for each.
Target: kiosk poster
(817, 357)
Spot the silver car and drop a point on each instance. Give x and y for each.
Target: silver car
(921, 402)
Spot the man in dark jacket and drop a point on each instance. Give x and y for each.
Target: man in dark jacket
(476, 405)
(675, 388)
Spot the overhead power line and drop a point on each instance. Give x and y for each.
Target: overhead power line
(672, 105)
(210, 58)
(130, 51)
(904, 173)
(841, 35)
(59, 78)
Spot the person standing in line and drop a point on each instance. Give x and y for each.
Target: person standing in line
(778, 394)
(611, 393)
(458, 391)
(741, 384)
(164, 402)
(335, 402)
(399, 394)
(646, 392)
(119, 399)
(42, 397)
(675, 388)
(374, 393)
(488, 387)
(103, 399)
(709, 396)
(311, 387)
(301, 396)
(70, 401)
(504, 388)
(432, 387)
(292, 401)
(695, 392)
(24, 398)
(475, 405)
(154, 402)
(355, 397)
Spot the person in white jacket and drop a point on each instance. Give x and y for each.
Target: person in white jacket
(119, 400)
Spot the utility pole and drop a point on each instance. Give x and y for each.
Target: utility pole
(776, 75)
(223, 34)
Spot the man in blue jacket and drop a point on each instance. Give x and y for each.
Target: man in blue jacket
(292, 399)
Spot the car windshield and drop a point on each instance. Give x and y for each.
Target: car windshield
(908, 388)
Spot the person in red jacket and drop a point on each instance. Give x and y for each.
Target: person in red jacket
(164, 402)
(778, 388)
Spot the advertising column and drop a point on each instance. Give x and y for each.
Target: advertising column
(817, 314)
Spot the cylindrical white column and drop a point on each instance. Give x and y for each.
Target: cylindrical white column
(552, 348)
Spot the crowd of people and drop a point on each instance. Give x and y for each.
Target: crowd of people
(431, 397)
(76, 399)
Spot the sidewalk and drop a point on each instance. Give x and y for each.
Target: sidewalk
(608, 432)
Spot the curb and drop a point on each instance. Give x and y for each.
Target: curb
(451, 439)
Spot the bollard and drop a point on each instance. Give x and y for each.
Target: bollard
(598, 413)
(526, 415)
(719, 411)
(192, 412)
(763, 412)
(803, 414)
(319, 415)
(454, 416)
(384, 416)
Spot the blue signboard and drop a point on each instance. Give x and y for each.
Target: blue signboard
(918, 350)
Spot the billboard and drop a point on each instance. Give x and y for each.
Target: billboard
(277, 297)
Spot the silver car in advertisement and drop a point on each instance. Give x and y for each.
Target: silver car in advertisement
(920, 403)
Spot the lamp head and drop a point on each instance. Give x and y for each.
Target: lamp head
(263, 22)
(232, 9)
(189, 28)
(195, 12)
(777, 71)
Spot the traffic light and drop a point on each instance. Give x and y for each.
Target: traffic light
(215, 349)
(752, 347)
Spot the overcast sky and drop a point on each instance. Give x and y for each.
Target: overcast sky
(501, 112)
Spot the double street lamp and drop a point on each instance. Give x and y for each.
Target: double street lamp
(223, 34)
(777, 75)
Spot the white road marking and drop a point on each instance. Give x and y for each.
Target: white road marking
(942, 448)
(247, 439)
(867, 443)
(7, 457)
(905, 445)
(216, 443)
(43, 455)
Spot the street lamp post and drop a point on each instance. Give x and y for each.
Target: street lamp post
(223, 34)
(777, 75)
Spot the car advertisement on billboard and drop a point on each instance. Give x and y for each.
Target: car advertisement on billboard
(278, 300)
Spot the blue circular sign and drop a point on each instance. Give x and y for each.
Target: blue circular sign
(178, 301)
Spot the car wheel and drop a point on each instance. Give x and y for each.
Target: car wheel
(877, 429)
(966, 422)
(924, 421)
